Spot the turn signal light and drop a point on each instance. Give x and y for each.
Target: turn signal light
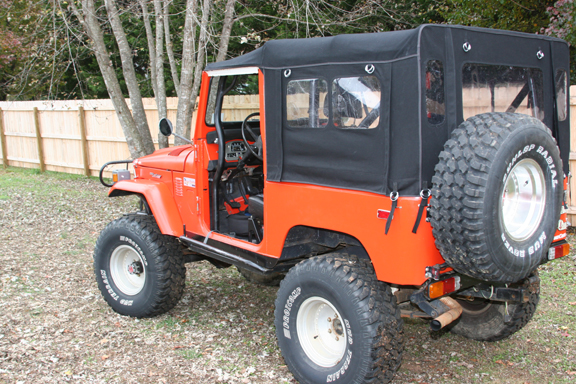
(444, 287)
(558, 251)
(120, 174)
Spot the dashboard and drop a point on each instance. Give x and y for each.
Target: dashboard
(234, 150)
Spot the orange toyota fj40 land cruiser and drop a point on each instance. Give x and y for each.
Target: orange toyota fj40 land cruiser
(418, 173)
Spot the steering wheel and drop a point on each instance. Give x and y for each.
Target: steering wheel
(255, 149)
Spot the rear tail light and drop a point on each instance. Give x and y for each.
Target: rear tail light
(558, 251)
(444, 287)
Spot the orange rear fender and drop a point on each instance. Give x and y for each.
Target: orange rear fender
(160, 201)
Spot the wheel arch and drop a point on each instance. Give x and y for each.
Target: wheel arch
(304, 242)
(159, 199)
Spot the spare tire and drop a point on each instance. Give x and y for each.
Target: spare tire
(496, 197)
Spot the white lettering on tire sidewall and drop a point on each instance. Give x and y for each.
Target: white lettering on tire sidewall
(532, 248)
(136, 247)
(288, 310)
(535, 150)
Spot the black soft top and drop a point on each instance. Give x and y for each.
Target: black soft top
(352, 48)
(401, 152)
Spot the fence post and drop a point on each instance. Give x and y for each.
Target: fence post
(39, 140)
(3, 141)
(85, 158)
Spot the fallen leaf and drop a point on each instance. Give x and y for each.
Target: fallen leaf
(68, 373)
(571, 372)
(572, 303)
(105, 357)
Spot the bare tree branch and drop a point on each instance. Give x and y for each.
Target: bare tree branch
(185, 107)
(170, 50)
(160, 84)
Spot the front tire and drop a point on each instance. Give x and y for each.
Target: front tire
(140, 272)
(336, 323)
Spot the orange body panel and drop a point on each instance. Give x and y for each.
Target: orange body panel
(161, 202)
(400, 257)
(168, 158)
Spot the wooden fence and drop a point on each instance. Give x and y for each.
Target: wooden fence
(79, 136)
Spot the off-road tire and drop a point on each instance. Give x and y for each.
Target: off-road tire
(468, 192)
(159, 255)
(269, 279)
(483, 320)
(371, 333)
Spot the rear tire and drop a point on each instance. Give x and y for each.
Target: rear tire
(497, 195)
(140, 272)
(335, 322)
(483, 320)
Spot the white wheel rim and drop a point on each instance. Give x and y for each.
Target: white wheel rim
(321, 332)
(129, 283)
(523, 200)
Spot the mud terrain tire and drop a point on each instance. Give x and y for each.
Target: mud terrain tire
(483, 225)
(270, 279)
(483, 320)
(335, 322)
(132, 244)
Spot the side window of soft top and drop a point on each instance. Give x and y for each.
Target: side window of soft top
(349, 102)
(306, 103)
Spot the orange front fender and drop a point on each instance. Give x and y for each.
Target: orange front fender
(160, 201)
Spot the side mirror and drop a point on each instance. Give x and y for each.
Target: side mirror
(166, 127)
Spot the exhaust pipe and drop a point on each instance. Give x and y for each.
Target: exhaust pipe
(447, 317)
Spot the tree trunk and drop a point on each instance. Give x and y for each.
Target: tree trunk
(91, 26)
(138, 112)
(185, 107)
(226, 30)
(170, 50)
(151, 46)
(161, 85)
(199, 59)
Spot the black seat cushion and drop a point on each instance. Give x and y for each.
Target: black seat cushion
(256, 206)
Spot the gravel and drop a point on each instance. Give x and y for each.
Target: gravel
(55, 326)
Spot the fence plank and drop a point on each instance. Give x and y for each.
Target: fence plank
(39, 140)
(82, 128)
(3, 141)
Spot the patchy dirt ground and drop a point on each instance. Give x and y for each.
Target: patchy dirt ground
(55, 327)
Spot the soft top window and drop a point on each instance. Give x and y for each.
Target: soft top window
(306, 105)
(501, 88)
(435, 107)
(349, 103)
(561, 94)
(356, 102)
